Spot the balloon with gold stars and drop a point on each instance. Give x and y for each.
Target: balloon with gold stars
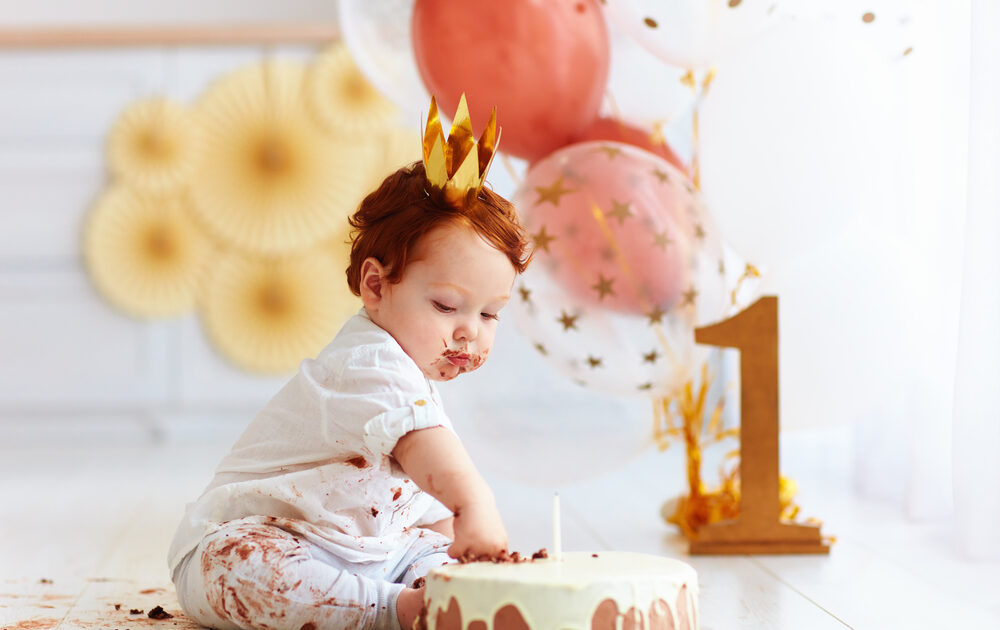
(691, 33)
(627, 263)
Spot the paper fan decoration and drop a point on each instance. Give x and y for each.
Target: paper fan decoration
(155, 145)
(268, 315)
(145, 253)
(342, 99)
(271, 181)
(396, 148)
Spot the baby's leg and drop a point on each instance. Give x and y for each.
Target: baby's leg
(427, 551)
(252, 575)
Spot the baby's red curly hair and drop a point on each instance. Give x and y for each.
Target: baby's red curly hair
(391, 221)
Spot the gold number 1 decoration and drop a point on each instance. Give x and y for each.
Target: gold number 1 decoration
(758, 529)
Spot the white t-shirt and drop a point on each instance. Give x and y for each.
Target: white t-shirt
(317, 458)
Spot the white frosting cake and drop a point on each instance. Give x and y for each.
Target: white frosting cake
(582, 591)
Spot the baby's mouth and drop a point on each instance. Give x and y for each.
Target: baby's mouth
(457, 358)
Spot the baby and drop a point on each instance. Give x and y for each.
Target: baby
(350, 484)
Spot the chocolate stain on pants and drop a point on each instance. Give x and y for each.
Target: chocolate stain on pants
(253, 575)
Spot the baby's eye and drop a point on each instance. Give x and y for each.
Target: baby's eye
(441, 307)
(493, 316)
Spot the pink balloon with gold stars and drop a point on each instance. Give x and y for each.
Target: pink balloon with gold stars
(615, 225)
(627, 263)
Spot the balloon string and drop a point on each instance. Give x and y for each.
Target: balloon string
(655, 136)
(511, 170)
(644, 304)
(749, 272)
(700, 92)
(613, 104)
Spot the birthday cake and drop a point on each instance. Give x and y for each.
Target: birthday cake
(579, 591)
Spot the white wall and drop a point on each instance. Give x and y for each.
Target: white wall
(74, 369)
(118, 12)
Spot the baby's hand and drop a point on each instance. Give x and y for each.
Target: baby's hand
(479, 532)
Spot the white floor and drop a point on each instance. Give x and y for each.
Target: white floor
(84, 532)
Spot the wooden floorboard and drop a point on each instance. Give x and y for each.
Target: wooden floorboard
(85, 532)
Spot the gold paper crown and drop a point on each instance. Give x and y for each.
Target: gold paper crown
(453, 166)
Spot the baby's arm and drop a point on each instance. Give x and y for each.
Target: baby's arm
(439, 464)
(445, 526)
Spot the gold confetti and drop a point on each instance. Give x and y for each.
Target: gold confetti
(650, 22)
(689, 297)
(610, 151)
(868, 18)
(656, 315)
(552, 193)
(651, 356)
(621, 211)
(568, 321)
(594, 362)
(542, 240)
(661, 240)
(603, 286)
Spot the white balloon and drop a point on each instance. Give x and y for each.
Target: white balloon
(799, 136)
(525, 422)
(691, 33)
(886, 25)
(642, 88)
(377, 32)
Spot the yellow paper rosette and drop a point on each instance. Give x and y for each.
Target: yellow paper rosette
(144, 252)
(342, 99)
(395, 148)
(155, 145)
(271, 182)
(268, 315)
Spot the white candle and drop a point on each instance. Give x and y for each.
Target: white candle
(556, 529)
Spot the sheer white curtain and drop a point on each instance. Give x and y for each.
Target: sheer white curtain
(976, 420)
(933, 445)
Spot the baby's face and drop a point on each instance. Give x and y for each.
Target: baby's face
(444, 310)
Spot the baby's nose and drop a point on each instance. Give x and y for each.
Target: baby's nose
(466, 332)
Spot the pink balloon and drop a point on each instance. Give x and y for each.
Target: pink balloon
(615, 225)
(542, 64)
(616, 130)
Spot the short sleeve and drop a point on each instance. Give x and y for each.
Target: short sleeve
(372, 393)
(382, 432)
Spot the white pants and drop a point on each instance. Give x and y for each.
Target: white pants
(253, 575)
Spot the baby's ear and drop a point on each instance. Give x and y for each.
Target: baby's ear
(372, 280)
